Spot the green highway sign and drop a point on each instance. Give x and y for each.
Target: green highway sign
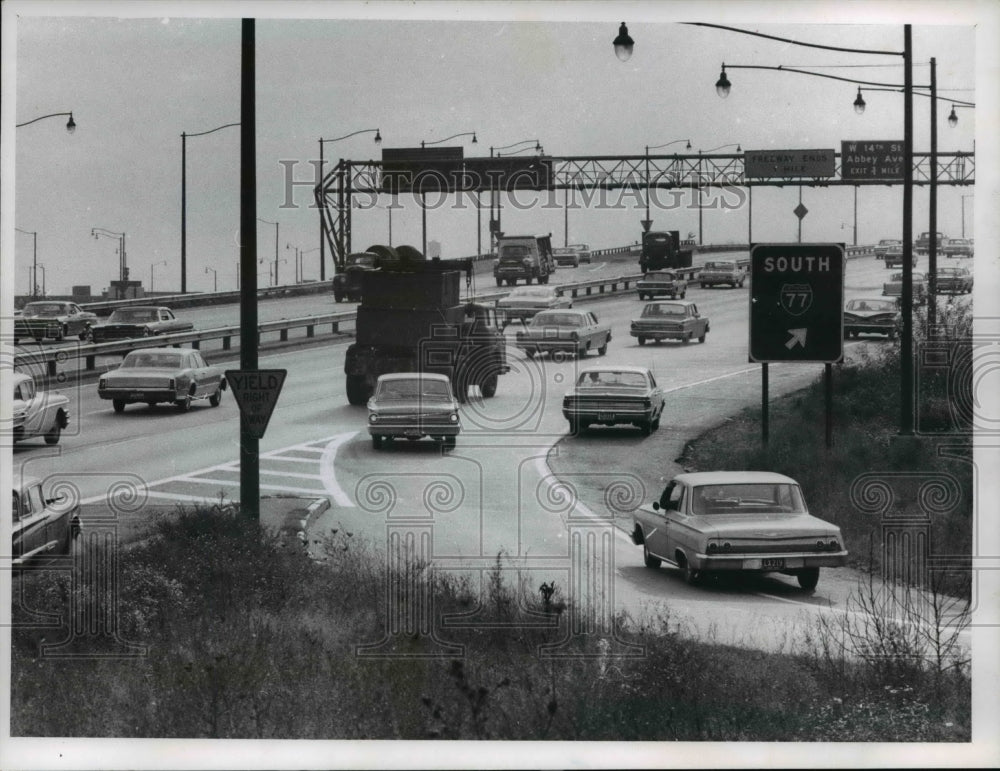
(796, 302)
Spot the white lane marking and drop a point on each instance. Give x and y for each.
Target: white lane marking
(599, 266)
(236, 483)
(181, 497)
(328, 472)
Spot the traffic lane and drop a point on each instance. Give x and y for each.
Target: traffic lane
(150, 444)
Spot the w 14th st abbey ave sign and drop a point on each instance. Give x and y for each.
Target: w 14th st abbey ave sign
(796, 302)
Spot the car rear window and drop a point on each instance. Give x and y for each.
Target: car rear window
(747, 498)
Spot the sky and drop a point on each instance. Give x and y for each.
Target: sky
(137, 75)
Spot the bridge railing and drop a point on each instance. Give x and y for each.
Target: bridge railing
(85, 355)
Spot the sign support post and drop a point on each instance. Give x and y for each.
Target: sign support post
(249, 442)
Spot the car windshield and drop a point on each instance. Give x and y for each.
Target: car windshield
(747, 499)
(557, 320)
(657, 310)
(871, 305)
(530, 291)
(603, 378)
(563, 250)
(660, 276)
(720, 265)
(44, 309)
(156, 360)
(417, 388)
(129, 315)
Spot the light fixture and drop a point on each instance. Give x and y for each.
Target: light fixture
(623, 44)
(71, 124)
(722, 85)
(859, 103)
(953, 118)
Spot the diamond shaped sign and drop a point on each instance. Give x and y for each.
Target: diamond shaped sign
(800, 211)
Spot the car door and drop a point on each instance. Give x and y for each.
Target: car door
(656, 396)
(658, 539)
(167, 321)
(74, 320)
(675, 528)
(29, 537)
(206, 377)
(34, 411)
(700, 324)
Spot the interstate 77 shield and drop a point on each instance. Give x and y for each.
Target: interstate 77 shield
(797, 302)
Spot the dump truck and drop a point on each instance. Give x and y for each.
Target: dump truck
(662, 249)
(412, 319)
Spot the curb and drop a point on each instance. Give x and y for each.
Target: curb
(297, 521)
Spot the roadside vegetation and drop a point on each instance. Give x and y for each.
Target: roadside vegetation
(247, 637)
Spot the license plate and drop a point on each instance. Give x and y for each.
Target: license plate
(135, 395)
(772, 564)
(605, 416)
(412, 432)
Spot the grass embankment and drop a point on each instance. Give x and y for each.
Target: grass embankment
(248, 638)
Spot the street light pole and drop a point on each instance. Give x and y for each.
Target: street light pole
(267, 222)
(495, 197)
(184, 137)
(39, 265)
(963, 212)
(215, 278)
(657, 147)
(423, 200)
(322, 222)
(739, 149)
(122, 259)
(34, 254)
(151, 266)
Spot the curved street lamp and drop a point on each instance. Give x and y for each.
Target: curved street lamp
(34, 256)
(268, 222)
(184, 138)
(42, 267)
(215, 278)
(70, 124)
(322, 222)
(122, 259)
(454, 136)
(151, 266)
(647, 222)
(538, 146)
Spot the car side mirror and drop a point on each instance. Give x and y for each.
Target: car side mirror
(656, 505)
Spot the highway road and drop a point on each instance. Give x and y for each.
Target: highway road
(515, 485)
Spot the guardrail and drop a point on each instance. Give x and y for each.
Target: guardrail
(51, 358)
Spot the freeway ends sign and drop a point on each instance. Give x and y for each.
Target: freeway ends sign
(256, 394)
(796, 302)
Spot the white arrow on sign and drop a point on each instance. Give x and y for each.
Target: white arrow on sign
(798, 336)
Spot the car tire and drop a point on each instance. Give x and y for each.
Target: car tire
(53, 434)
(701, 339)
(684, 294)
(701, 284)
(87, 335)
(216, 398)
(687, 338)
(642, 340)
(692, 577)
(338, 297)
(603, 349)
(118, 404)
(529, 352)
(449, 443)
(183, 404)
(655, 425)
(357, 390)
(646, 427)
(808, 578)
(648, 559)
(489, 386)
(376, 442)
(574, 426)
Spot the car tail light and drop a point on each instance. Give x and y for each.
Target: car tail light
(834, 545)
(102, 383)
(575, 335)
(712, 548)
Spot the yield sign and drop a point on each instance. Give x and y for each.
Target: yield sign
(256, 393)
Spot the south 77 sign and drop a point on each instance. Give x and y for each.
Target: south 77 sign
(796, 302)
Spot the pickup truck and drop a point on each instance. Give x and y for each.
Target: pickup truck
(923, 243)
(37, 413)
(727, 272)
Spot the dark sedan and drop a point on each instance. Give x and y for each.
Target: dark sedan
(139, 321)
(876, 316)
(611, 395)
(54, 319)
